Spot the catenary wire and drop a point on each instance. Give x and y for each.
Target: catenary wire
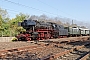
(19, 4)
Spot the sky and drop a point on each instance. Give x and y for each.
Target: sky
(73, 9)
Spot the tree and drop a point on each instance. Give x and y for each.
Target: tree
(3, 19)
(13, 23)
(34, 17)
(43, 17)
(4, 14)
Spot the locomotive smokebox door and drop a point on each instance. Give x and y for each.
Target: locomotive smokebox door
(19, 23)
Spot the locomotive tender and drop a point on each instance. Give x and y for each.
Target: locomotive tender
(39, 30)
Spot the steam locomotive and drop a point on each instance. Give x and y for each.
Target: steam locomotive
(39, 30)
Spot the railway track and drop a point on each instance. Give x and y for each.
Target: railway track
(19, 53)
(49, 51)
(78, 53)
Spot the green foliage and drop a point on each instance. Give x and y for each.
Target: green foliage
(13, 24)
(9, 27)
(14, 39)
